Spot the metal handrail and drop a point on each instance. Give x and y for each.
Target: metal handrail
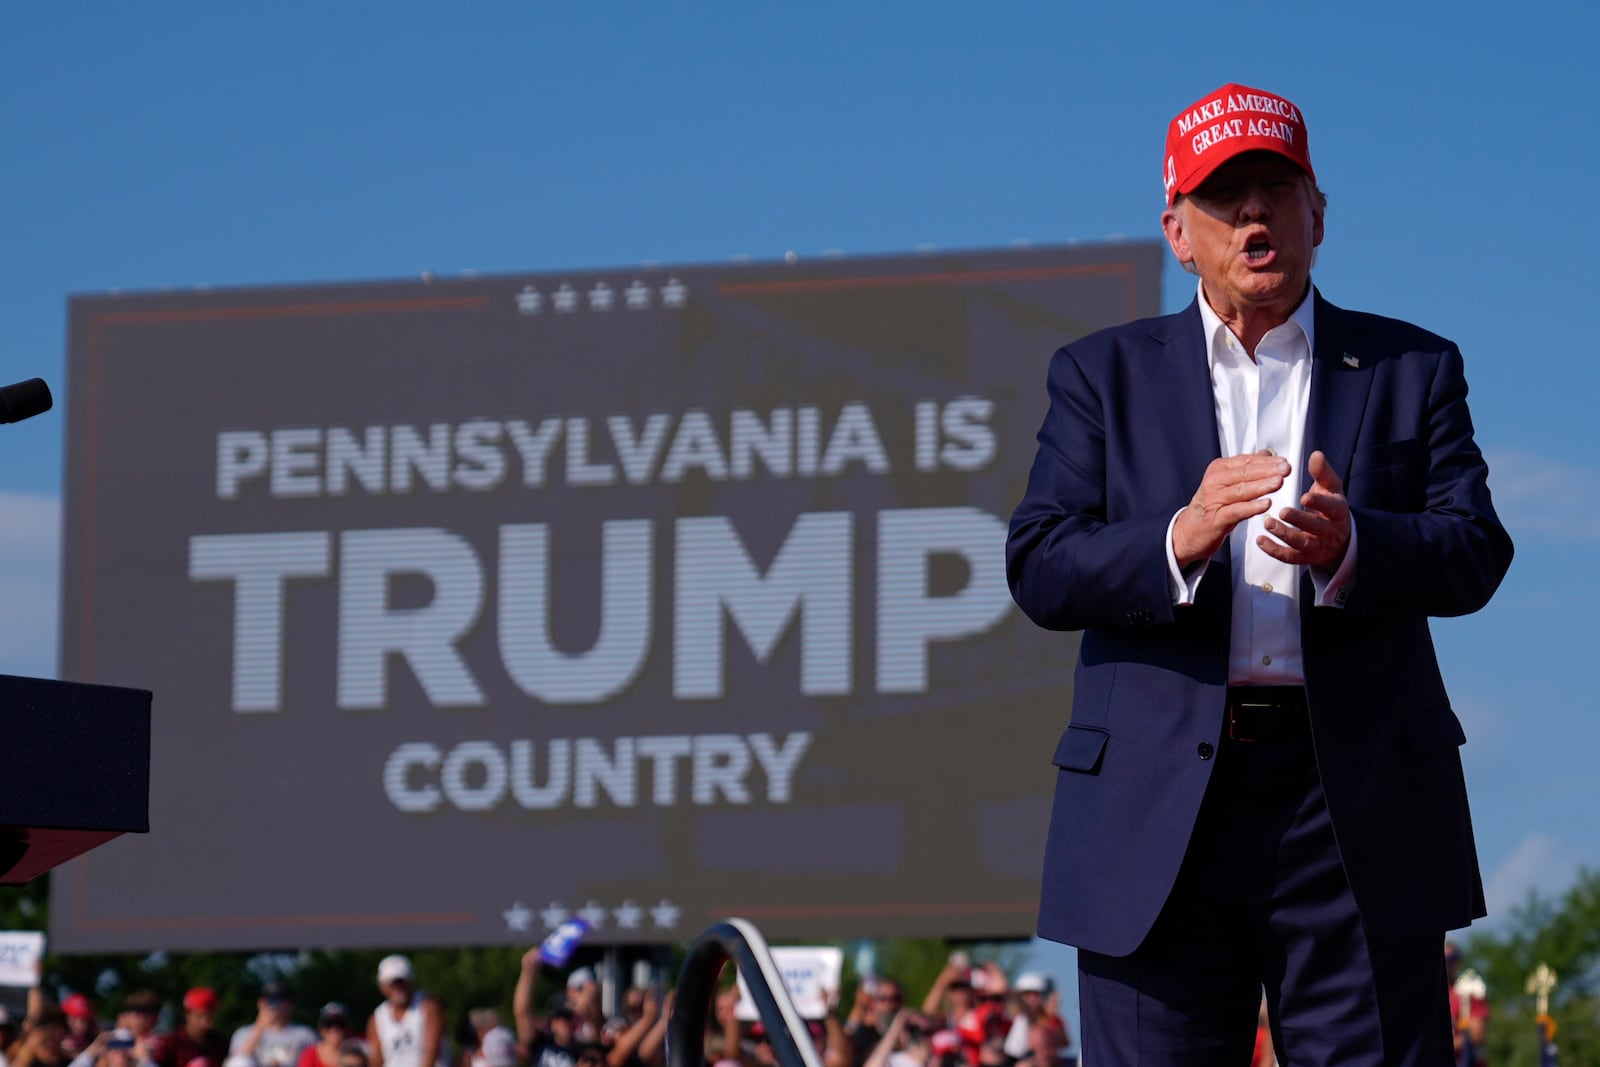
(739, 941)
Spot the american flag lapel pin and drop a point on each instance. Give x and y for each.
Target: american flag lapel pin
(1351, 361)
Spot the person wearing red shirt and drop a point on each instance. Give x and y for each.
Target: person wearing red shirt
(197, 1038)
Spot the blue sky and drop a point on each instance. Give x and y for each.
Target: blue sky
(180, 144)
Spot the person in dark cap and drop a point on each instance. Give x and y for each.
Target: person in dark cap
(1251, 509)
(274, 1039)
(554, 1042)
(334, 1029)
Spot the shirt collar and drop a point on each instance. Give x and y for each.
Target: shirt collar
(1303, 316)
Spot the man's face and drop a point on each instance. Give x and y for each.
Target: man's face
(279, 1008)
(887, 999)
(1250, 230)
(199, 1022)
(582, 997)
(397, 992)
(1045, 1042)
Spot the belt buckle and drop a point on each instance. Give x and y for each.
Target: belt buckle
(1234, 705)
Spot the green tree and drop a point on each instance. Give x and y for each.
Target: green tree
(1564, 933)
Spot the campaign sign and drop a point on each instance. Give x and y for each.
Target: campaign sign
(20, 954)
(811, 975)
(644, 596)
(558, 948)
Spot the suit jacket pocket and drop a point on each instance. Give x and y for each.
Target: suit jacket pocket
(1081, 749)
(1431, 729)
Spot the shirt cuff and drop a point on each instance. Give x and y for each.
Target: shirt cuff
(1333, 590)
(1183, 585)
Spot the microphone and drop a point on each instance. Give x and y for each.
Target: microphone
(24, 400)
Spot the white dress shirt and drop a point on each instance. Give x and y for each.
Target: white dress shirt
(1262, 403)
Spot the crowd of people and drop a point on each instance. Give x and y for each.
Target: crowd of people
(971, 1016)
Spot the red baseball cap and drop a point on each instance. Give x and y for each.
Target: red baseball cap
(1224, 123)
(78, 1005)
(200, 999)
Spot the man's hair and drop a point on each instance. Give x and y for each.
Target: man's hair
(142, 1000)
(1316, 193)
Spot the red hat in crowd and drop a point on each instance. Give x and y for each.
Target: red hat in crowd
(200, 999)
(1224, 123)
(78, 1006)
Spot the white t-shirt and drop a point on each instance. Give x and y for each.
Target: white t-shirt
(400, 1037)
(277, 1048)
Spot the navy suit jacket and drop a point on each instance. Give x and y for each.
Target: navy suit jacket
(1130, 430)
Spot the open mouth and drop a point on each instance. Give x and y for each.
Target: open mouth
(1257, 251)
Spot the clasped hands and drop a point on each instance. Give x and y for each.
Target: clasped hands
(1237, 488)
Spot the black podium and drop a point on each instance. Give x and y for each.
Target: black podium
(74, 771)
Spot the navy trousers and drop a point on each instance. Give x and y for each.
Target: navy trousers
(1262, 901)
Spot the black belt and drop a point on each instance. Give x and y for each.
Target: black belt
(1259, 714)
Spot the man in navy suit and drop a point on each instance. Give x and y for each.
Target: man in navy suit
(1250, 509)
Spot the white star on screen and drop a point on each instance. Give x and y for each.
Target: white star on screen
(674, 293)
(529, 301)
(519, 918)
(638, 295)
(629, 915)
(665, 915)
(554, 915)
(566, 298)
(594, 915)
(601, 297)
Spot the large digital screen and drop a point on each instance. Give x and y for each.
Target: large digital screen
(651, 596)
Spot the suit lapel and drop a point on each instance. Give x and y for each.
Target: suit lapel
(1341, 376)
(1189, 413)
